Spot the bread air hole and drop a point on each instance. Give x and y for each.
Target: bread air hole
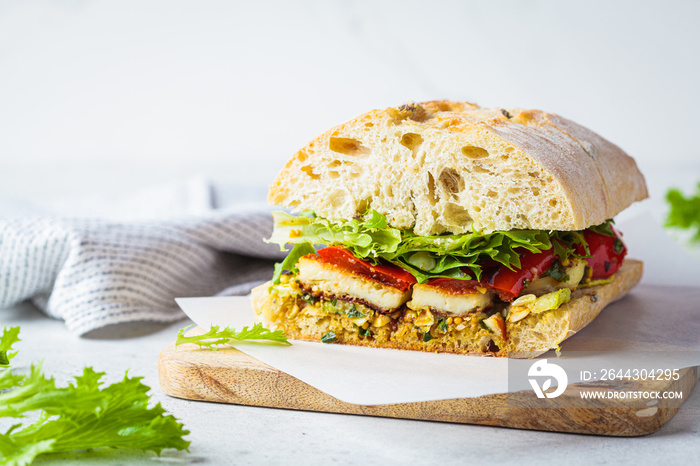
(523, 221)
(432, 197)
(451, 181)
(478, 168)
(347, 146)
(412, 141)
(310, 171)
(474, 152)
(456, 216)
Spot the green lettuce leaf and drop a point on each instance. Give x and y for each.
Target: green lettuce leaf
(9, 337)
(604, 228)
(370, 236)
(684, 211)
(453, 256)
(299, 250)
(83, 415)
(216, 336)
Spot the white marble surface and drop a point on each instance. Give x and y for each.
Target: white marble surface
(109, 97)
(229, 434)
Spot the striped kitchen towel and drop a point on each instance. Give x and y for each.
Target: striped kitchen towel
(128, 263)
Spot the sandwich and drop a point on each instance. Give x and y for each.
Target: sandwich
(447, 227)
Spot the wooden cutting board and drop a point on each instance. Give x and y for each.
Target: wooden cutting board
(231, 376)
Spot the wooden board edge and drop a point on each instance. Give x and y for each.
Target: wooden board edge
(231, 376)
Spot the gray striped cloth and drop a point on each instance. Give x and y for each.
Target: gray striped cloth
(94, 272)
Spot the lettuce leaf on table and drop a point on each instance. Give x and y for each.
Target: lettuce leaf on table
(685, 211)
(80, 416)
(9, 337)
(217, 336)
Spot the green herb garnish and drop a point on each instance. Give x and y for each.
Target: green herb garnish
(228, 336)
(685, 211)
(9, 337)
(483, 325)
(329, 338)
(557, 272)
(427, 337)
(309, 299)
(363, 332)
(604, 228)
(353, 313)
(442, 325)
(618, 245)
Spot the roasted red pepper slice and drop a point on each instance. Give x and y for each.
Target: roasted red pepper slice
(386, 273)
(607, 253)
(509, 283)
(499, 278)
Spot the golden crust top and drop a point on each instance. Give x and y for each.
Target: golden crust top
(445, 166)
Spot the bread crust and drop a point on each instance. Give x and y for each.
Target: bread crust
(527, 338)
(535, 335)
(451, 167)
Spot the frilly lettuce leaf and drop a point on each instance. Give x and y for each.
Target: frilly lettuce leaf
(80, 416)
(684, 212)
(217, 336)
(369, 236)
(454, 256)
(299, 250)
(9, 337)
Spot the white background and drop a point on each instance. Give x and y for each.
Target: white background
(110, 96)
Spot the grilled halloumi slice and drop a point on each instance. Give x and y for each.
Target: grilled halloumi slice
(445, 302)
(321, 278)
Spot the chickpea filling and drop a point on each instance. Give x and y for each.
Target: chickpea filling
(348, 320)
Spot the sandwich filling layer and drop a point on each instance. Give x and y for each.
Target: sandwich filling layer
(532, 324)
(387, 285)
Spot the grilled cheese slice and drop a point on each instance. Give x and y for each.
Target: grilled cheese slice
(438, 299)
(320, 278)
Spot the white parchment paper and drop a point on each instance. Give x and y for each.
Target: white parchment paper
(660, 322)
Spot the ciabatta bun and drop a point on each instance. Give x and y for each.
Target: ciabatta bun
(443, 166)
